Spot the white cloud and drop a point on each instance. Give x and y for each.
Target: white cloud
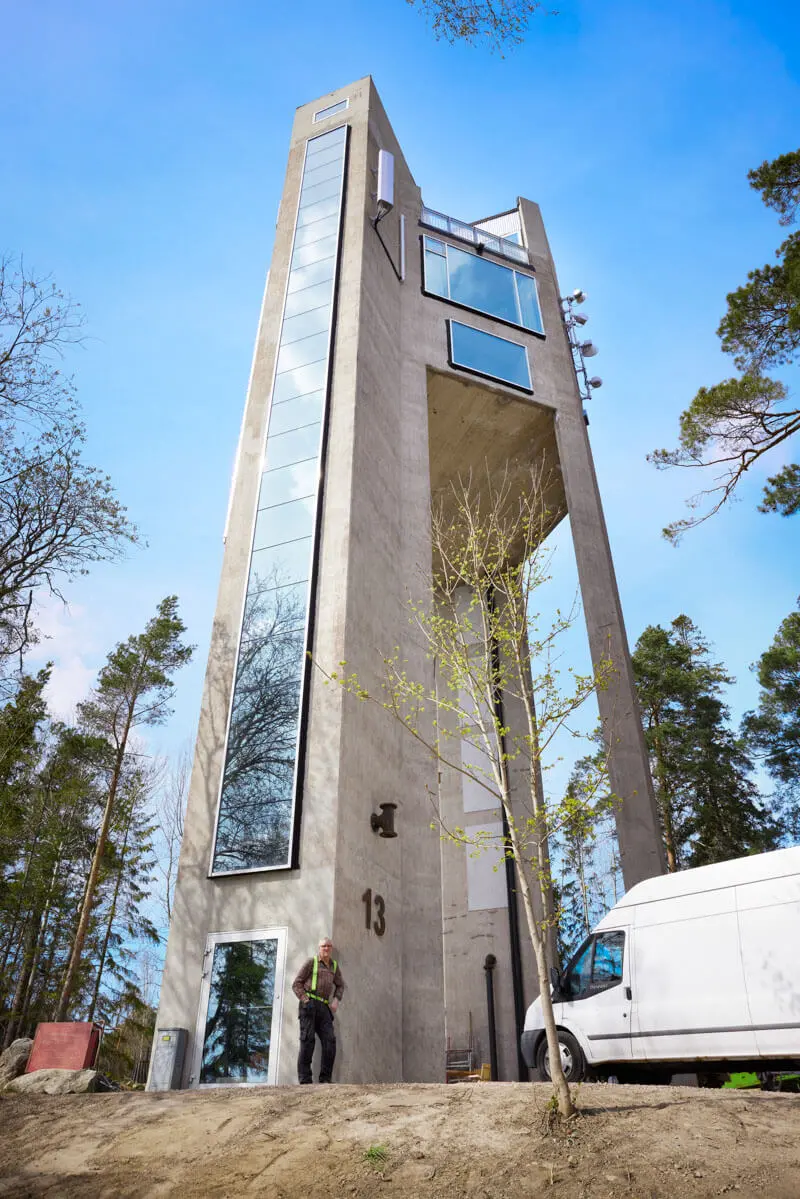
(69, 642)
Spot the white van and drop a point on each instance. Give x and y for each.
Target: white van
(702, 966)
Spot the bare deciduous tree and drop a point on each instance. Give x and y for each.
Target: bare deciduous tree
(477, 620)
(57, 515)
(500, 23)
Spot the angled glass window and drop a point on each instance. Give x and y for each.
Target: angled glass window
(256, 826)
(478, 283)
(484, 354)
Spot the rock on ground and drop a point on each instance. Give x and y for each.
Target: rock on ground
(57, 1082)
(14, 1060)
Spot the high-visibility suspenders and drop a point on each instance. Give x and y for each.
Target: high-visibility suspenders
(314, 973)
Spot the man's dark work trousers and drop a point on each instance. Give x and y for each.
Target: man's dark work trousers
(316, 1018)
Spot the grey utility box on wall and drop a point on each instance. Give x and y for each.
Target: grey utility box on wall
(167, 1064)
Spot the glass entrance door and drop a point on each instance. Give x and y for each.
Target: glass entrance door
(240, 1008)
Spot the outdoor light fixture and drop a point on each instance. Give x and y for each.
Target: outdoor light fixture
(384, 824)
(581, 350)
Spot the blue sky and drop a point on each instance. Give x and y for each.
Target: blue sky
(145, 146)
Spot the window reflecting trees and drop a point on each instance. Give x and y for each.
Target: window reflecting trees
(256, 812)
(238, 1029)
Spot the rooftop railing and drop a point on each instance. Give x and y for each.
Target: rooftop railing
(473, 235)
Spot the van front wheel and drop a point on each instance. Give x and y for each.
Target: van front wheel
(573, 1062)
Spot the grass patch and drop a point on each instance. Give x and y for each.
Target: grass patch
(376, 1155)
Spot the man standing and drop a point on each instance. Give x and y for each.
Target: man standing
(319, 986)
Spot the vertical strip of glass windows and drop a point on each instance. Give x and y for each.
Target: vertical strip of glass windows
(256, 816)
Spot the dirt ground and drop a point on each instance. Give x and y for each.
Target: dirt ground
(486, 1140)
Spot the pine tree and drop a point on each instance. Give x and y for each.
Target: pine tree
(133, 690)
(774, 729)
(701, 770)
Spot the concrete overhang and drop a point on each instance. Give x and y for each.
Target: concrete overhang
(477, 430)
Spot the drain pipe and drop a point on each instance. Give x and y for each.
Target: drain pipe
(517, 983)
(489, 965)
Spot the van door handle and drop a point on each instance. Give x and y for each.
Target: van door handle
(628, 994)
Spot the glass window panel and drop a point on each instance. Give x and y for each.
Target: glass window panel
(291, 562)
(287, 522)
(325, 247)
(308, 299)
(436, 274)
(302, 410)
(578, 979)
(311, 233)
(329, 170)
(489, 355)
(334, 138)
(295, 446)
(275, 611)
(481, 284)
(255, 816)
(315, 212)
(288, 483)
(302, 277)
(438, 247)
(302, 353)
(298, 327)
(299, 381)
(608, 951)
(254, 828)
(236, 1044)
(531, 313)
(329, 112)
(320, 191)
(325, 154)
(429, 217)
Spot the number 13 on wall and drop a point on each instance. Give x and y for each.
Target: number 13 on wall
(378, 925)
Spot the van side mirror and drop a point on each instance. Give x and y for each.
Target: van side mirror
(555, 980)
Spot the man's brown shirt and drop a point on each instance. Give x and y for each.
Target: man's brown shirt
(328, 983)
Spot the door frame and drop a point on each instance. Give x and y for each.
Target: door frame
(280, 935)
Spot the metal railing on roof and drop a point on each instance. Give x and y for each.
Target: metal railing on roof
(473, 235)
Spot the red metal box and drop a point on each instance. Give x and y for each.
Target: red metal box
(67, 1046)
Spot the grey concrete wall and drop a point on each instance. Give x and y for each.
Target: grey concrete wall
(374, 538)
(374, 555)
(641, 851)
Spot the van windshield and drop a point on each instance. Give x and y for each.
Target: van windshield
(597, 967)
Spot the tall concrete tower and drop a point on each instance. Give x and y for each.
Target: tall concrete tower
(389, 359)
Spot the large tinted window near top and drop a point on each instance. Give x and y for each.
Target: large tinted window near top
(477, 282)
(256, 818)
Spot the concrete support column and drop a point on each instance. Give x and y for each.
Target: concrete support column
(640, 843)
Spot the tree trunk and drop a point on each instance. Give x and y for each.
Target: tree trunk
(26, 966)
(111, 918)
(565, 1105)
(665, 800)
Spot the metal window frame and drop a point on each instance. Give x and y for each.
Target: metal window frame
(292, 859)
(470, 307)
(322, 114)
(279, 934)
(471, 370)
